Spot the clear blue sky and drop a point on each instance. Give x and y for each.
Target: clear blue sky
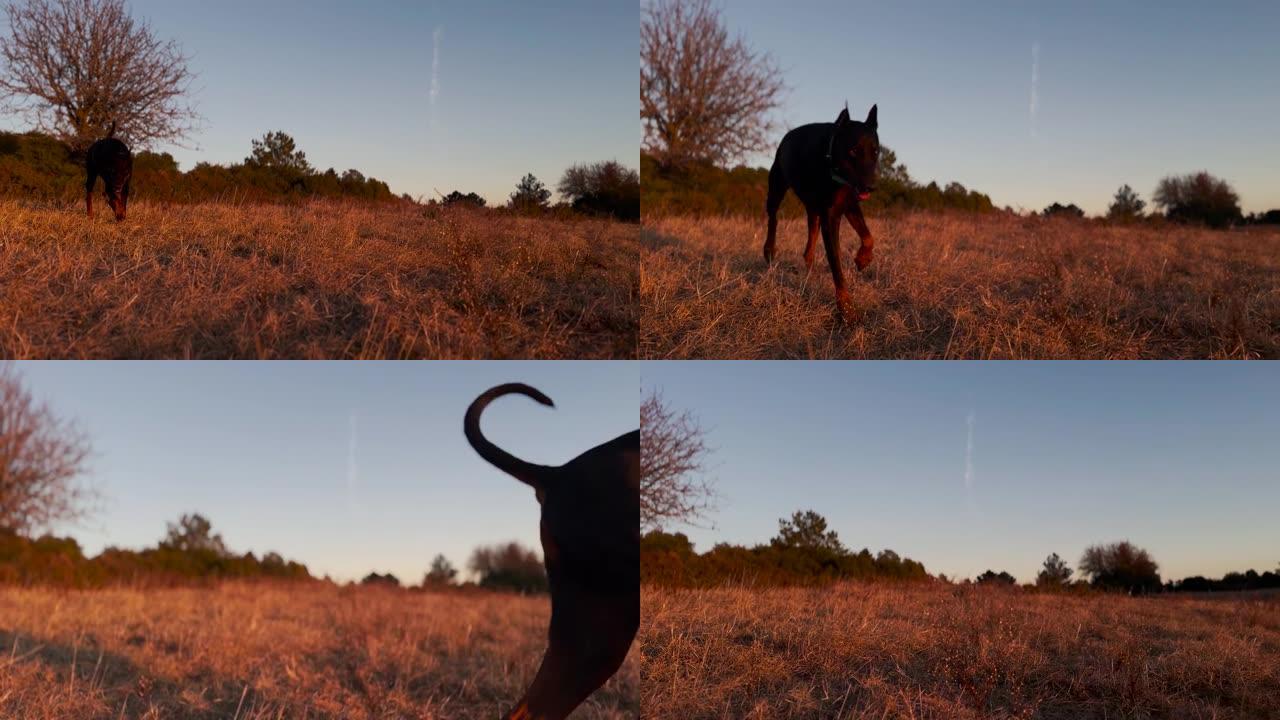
(346, 466)
(1125, 92)
(519, 87)
(1178, 457)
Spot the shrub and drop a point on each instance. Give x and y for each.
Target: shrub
(1121, 566)
(1198, 198)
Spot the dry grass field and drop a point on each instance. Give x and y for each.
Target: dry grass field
(291, 651)
(320, 280)
(950, 652)
(961, 286)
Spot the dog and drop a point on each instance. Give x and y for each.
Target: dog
(831, 167)
(590, 531)
(109, 158)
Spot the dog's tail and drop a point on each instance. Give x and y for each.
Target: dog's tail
(111, 132)
(526, 472)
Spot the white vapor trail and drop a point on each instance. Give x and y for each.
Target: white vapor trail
(1035, 84)
(353, 471)
(968, 456)
(435, 64)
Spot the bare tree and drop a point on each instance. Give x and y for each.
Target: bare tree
(704, 96)
(41, 458)
(75, 67)
(672, 462)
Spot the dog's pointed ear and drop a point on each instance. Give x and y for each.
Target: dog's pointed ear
(843, 118)
(871, 118)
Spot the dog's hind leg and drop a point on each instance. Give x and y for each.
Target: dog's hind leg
(589, 639)
(777, 189)
(88, 192)
(864, 233)
(831, 239)
(811, 248)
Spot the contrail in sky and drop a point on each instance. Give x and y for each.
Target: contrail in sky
(968, 456)
(353, 471)
(435, 64)
(1035, 84)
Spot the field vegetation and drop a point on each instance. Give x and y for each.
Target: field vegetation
(962, 285)
(314, 279)
(936, 650)
(268, 650)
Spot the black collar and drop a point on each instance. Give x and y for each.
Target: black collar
(831, 162)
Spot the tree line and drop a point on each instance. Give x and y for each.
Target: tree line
(1197, 198)
(804, 552)
(34, 166)
(1125, 567)
(192, 553)
(40, 167)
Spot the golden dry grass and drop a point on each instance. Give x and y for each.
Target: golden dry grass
(961, 286)
(920, 651)
(320, 280)
(286, 651)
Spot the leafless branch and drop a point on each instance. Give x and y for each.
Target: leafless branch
(704, 96)
(673, 487)
(74, 67)
(41, 459)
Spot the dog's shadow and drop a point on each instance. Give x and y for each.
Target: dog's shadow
(125, 686)
(654, 241)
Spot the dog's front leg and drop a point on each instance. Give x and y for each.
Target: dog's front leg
(864, 233)
(831, 238)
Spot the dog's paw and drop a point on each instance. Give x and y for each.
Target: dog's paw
(863, 259)
(844, 305)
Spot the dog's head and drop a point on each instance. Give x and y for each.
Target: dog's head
(118, 198)
(855, 152)
(116, 176)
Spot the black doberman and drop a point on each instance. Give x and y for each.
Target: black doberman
(831, 167)
(591, 546)
(109, 158)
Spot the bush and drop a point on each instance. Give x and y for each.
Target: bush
(605, 188)
(509, 566)
(387, 580)
(1199, 198)
(1060, 210)
(1000, 579)
(456, 198)
(1121, 566)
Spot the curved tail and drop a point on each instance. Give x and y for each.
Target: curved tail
(526, 472)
